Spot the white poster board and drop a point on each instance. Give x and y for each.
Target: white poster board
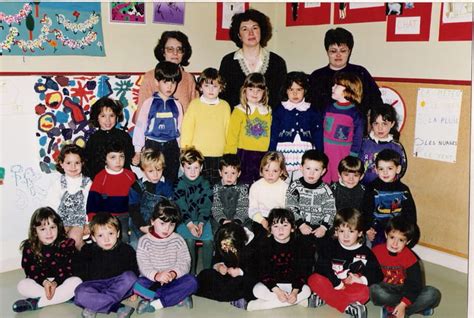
(437, 124)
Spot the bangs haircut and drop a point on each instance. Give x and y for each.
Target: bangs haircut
(167, 72)
(351, 164)
(254, 80)
(353, 85)
(388, 155)
(315, 155)
(229, 160)
(65, 150)
(274, 156)
(152, 157)
(210, 75)
(166, 211)
(349, 217)
(278, 215)
(99, 105)
(300, 78)
(104, 219)
(338, 36)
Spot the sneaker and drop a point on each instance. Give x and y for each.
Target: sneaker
(356, 310)
(125, 311)
(186, 302)
(25, 304)
(428, 312)
(144, 306)
(314, 301)
(87, 313)
(240, 303)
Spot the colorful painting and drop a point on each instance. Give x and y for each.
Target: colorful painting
(168, 12)
(51, 28)
(129, 12)
(63, 107)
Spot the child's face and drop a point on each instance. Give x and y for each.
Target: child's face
(350, 179)
(192, 171)
(381, 128)
(338, 56)
(107, 118)
(295, 93)
(47, 232)
(338, 93)
(281, 231)
(271, 172)
(387, 170)
(166, 89)
(210, 90)
(162, 228)
(229, 175)
(254, 94)
(105, 236)
(396, 241)
(153, 172)
(347, 236)
(72, 165)
(312, 171)
(115, 161)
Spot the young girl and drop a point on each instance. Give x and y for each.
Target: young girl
(249, 127)
(269, 192)
(47, 262)
(345, 268)
(234, 273)
(343, 123)
(105, 114)
(205, 123)
(383, 135)
(68, 194)
(296, 126)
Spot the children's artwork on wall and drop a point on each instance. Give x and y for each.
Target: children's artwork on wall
(456, 21)
(129, 12)
(168, 12)
(62, 106)
(225, 12)
(307, 13)
(2, 175)
(51, 28)
(437, 124)
(411, 25)
(393, 8)
(358, 12)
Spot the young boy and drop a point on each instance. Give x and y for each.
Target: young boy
(163, 260)
(282, 278)
(349, 192)
(401, 293)
(147, 192)
(108, 268)
(159, 120)
(230, 200)
(109, 190)
(205, 123)
(386, 197)
(193, 195)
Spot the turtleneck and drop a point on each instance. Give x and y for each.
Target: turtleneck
(311, 185)
(343, 104)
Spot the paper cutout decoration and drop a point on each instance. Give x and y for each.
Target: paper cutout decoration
(51, 28)
(128, 12)
(412, 25)
(168, 12)
(225, 12)
(308, 13)
(358, 12)
(455, 22)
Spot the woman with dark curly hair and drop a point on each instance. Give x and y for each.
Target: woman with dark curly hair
(251, 31)
(173, 46)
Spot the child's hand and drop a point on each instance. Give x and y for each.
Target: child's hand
(145, 229)
(193, 229)
(305, 229)
(399, 310)
(164, 277)
(200, 228)
(319, 232)
(282, 296)
(264, 223)
(86, 230)
(233, 271)
(136, 159)
(371, 234)
(222, 269)
(226, 221)
(49, 288)
(353, 278)
(293, 296)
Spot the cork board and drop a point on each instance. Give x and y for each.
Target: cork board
(440, 189)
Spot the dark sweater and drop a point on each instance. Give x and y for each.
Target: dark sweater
(347, 198)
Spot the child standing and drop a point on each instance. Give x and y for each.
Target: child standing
(268, 192)
(205, 123)
(145, 193)
(47, 261)
(249, 127)
(344, 124)
(159, 120)
(193, 195)
(383, 135)
(230, 200)
(402, 292)
(109, 190)
(105, 114)
(348, 191)
(164, 261)
(282, 278)
(68, 194)
(387, 197)
(296, 126)
(108, 268)
(345, 268)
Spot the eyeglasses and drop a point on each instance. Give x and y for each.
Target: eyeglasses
(171, 50)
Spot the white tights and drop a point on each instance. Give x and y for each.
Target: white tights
(268, 299)
(31, 289)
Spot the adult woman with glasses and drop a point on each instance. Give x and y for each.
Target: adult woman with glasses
(251, 31)
(173, 46)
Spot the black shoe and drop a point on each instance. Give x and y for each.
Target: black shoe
(356, 310)
(240, 303)
(25, 304)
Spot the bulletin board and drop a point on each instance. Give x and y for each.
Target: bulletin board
(440, 189)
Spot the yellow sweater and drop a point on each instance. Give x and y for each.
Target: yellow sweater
(205, 127)
(250, 132)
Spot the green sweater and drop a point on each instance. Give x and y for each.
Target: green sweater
(194, 199)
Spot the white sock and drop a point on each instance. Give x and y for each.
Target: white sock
(156, 304)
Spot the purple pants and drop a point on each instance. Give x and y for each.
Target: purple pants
(169, 294)
(105, 295)
(250, 165)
